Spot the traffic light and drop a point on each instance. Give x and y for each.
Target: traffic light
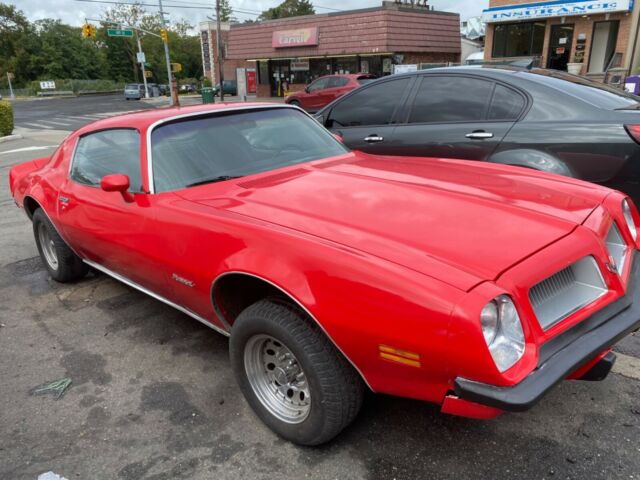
(163, 34)
(88, 31)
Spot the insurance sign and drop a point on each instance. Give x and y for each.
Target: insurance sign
(532, 11)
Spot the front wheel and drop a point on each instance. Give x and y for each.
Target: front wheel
(291, 374)
(62, 264)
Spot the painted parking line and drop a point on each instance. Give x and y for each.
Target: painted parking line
(28, 149)
(37, 125)
(56, 122)
(627, 365)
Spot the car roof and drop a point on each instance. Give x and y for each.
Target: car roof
(144, 119)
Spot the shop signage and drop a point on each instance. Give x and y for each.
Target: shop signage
(299, 65)
(300, 37)
(554, 9)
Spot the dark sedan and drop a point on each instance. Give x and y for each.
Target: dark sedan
(541, 119)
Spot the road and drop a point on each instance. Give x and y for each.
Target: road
(72, 113)
(153, 396)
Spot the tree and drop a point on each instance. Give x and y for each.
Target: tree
(288, 8)
(226, 12)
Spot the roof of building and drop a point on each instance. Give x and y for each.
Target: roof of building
(389, 28)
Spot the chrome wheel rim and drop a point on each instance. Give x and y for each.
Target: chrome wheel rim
(47, 246)
(277, 379)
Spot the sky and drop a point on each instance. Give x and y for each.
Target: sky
(74, 12)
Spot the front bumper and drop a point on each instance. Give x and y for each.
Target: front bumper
(564, 354)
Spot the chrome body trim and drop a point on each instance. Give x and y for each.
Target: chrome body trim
(152, 127)
(237, 272)
(133, 284)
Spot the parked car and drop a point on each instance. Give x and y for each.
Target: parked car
(164, 89)
(230, 88)
(134, 91)
(540, 119)
(187, 88)
(474, 286)
(325, 90)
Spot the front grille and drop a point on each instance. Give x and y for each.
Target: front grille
(617, 248)
(566, 291)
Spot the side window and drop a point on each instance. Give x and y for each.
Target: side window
(319, 84)
(336, 82)
(373, 105)
(106, 152)
(450, 99)
(506, 104)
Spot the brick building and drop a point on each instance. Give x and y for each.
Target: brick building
(297, 50)
(596, 35)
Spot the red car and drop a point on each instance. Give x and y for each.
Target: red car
(474, 286)
(325, 90)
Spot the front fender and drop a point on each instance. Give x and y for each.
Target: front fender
(535, 159)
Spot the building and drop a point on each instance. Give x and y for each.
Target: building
(288, 53)
(598, 36)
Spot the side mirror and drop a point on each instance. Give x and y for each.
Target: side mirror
(306, 89)
(117, 182)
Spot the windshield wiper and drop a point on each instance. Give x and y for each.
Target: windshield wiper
(220, 178)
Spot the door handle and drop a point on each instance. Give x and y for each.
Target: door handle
(373, 138)
(479, 135)
(63, 201)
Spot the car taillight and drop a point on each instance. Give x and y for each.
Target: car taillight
(633, 131)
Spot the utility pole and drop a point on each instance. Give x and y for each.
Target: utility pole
(172, 87)
(220, 52)
(141, 60)
(9, 77)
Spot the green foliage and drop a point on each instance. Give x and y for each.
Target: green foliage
(226, 12)
(288, 8)
(50, 50)
(6, 118)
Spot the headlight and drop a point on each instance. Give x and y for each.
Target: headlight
(626, 210)
(502, 331)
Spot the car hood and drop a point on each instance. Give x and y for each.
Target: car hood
(461, 222)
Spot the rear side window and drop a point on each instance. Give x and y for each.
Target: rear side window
(336, 82)
(107, 152)
(506, 104)
(450, 99)
(373, 105)
(319, 84)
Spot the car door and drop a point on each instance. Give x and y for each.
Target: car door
(457, 116)
(336, 88)
(365, 119)
(313, 99)
(104, 227)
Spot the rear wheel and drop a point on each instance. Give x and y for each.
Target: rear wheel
(295, 103)
(293, 377)
(62, 264)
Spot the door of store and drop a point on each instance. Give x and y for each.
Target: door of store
(280, 77)
(560, 42)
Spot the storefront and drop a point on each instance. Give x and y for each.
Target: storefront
(289, 53)
(595, 36)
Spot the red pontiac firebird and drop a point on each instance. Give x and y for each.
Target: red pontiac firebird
(474, 286)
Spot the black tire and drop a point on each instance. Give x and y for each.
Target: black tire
(335, 388)
(68, 266)
(295, 103)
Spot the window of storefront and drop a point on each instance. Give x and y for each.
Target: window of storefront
(518, 39)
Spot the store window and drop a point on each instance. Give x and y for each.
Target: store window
(518, 39)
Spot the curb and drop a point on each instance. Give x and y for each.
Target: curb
(9, 138)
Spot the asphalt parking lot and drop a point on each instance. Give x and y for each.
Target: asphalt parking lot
(153, 396)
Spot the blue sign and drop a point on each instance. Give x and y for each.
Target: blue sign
(532, 11)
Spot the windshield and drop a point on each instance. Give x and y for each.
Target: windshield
(131, 86)
(597, 94)
(235, 144)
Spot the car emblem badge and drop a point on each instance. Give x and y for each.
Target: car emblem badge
(182, 280)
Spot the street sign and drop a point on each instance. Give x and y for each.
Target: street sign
(176, 67)
(10, 76)
(148, 73)
(116, 32)
(48, 85)
(140, 57)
